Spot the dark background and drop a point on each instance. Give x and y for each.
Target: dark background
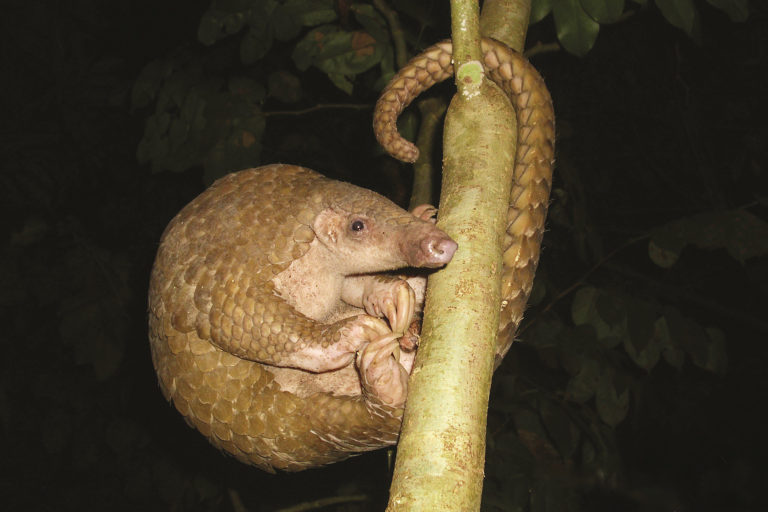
(651, 127)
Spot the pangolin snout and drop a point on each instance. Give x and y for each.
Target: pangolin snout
(438, 250)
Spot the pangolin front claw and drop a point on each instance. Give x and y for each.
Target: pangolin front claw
(382, 376)
(393, 299)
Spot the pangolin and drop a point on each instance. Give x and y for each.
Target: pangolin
(265, 291)
(266, 301)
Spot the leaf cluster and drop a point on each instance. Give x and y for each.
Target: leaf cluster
(578, 21)
(208, 107)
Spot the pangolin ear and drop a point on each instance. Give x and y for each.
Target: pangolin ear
(328, 225)
(425, 212)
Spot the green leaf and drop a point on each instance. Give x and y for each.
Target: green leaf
(255, 45)
(738, 10)
(316, 12)
(706, 347)
(682, 14)
(603, 11)
(647, 357)
(148, 83)
(342, 82)
(338, 53)
(612, 403)
(581, 345)
(583, 305)
(664, 250)
(581, 387)
(371, 21)
(209, 30)
(603, 311)
(288, 18)
(610, 308)
(575, 29)
(548, 332)
(233, 23)
(387, 67)
(539, 10)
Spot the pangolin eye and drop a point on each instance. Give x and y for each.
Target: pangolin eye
(357, 225)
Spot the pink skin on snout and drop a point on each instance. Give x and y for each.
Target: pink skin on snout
(428, 247)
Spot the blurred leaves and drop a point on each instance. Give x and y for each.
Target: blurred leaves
(739, 232)
(577, 22)
(611, 399)
(615, 342)
(604, 11)
(575, 29)
(643, 330)
(539, 9)
(198, 121)
(338, 53)
(683, 15)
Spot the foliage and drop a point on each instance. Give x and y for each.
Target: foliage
(208, 113)
(739, 232)
(578, 21)
(208, 108)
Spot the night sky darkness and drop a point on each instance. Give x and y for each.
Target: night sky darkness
(651, 128)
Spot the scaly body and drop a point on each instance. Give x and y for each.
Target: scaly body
(253, 325)
(258, 323)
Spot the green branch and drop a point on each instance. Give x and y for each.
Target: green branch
(441, 455)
